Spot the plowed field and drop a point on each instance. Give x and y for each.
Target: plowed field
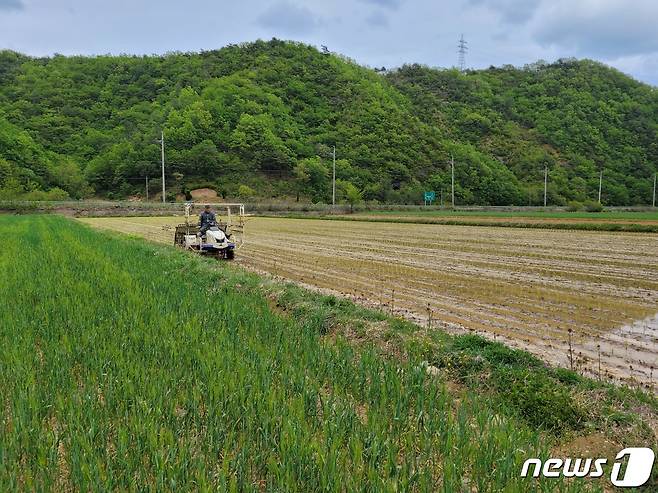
(581, 299)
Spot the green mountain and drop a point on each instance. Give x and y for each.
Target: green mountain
(260, 119)
(575, 117)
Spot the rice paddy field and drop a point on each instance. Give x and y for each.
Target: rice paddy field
(631, 216)
(585, 300)
(623, 221)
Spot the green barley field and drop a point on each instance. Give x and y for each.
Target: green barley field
(127, 366)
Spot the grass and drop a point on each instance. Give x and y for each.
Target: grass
(131, 366)
(559, 404)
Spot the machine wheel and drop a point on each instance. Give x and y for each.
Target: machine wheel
(230, 254)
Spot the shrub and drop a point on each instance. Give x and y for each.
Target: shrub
(246, 192)
(574, 206)
(593, 206)
(52, 194)
(540, 400)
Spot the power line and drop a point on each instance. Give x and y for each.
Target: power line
(462, 49)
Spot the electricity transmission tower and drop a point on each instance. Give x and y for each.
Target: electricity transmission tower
(462, 49)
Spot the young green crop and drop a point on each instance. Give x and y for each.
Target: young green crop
(131, 367)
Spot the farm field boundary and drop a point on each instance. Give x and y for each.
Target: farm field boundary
(122, 375)
(613, 219)
(501, 221)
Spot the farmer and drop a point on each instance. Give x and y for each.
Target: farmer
(206, 220)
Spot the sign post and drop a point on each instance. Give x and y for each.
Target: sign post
(429, 197)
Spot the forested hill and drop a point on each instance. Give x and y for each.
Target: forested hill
(259, 120)
(576, 117)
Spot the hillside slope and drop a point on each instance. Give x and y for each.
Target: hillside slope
(260, 118)
(575, 117)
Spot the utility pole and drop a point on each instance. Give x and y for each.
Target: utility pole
(147, 188)
(462, 49)
(333, 182)
(161, 141)
(452, 169)
(654, 190)
(600, 184)
(545, 184)
(162, 150)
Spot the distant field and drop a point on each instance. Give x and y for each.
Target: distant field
(646, 222)
(621, 215)
(528, 287)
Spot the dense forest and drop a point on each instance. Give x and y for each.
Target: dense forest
(259, 121)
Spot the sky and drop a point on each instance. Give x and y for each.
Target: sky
(376, 33)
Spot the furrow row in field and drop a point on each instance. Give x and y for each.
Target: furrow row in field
(422, 291)
(624, 275)
(551, 344)
(456, 277)
(553, 244)
(605, 293)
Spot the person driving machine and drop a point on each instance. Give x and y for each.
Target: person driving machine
(206, 220)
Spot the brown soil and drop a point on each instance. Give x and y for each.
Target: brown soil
(203, 193)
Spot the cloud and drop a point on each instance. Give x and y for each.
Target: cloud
(510, 11)
(390, 4)
(604, 28)
(373, 32)
(377, 19)
(643, 66)
(289, 19)
(11, 5)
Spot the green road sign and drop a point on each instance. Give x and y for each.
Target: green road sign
(430, 196)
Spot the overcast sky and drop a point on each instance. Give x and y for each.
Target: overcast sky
(621, 33)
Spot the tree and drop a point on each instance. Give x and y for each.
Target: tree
(347, 192)
(246, 192)
(312, 179)
(203, 159)
(257, 109)
(254, 139)
(66, 175)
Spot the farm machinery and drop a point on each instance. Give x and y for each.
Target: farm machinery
(220, 239)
